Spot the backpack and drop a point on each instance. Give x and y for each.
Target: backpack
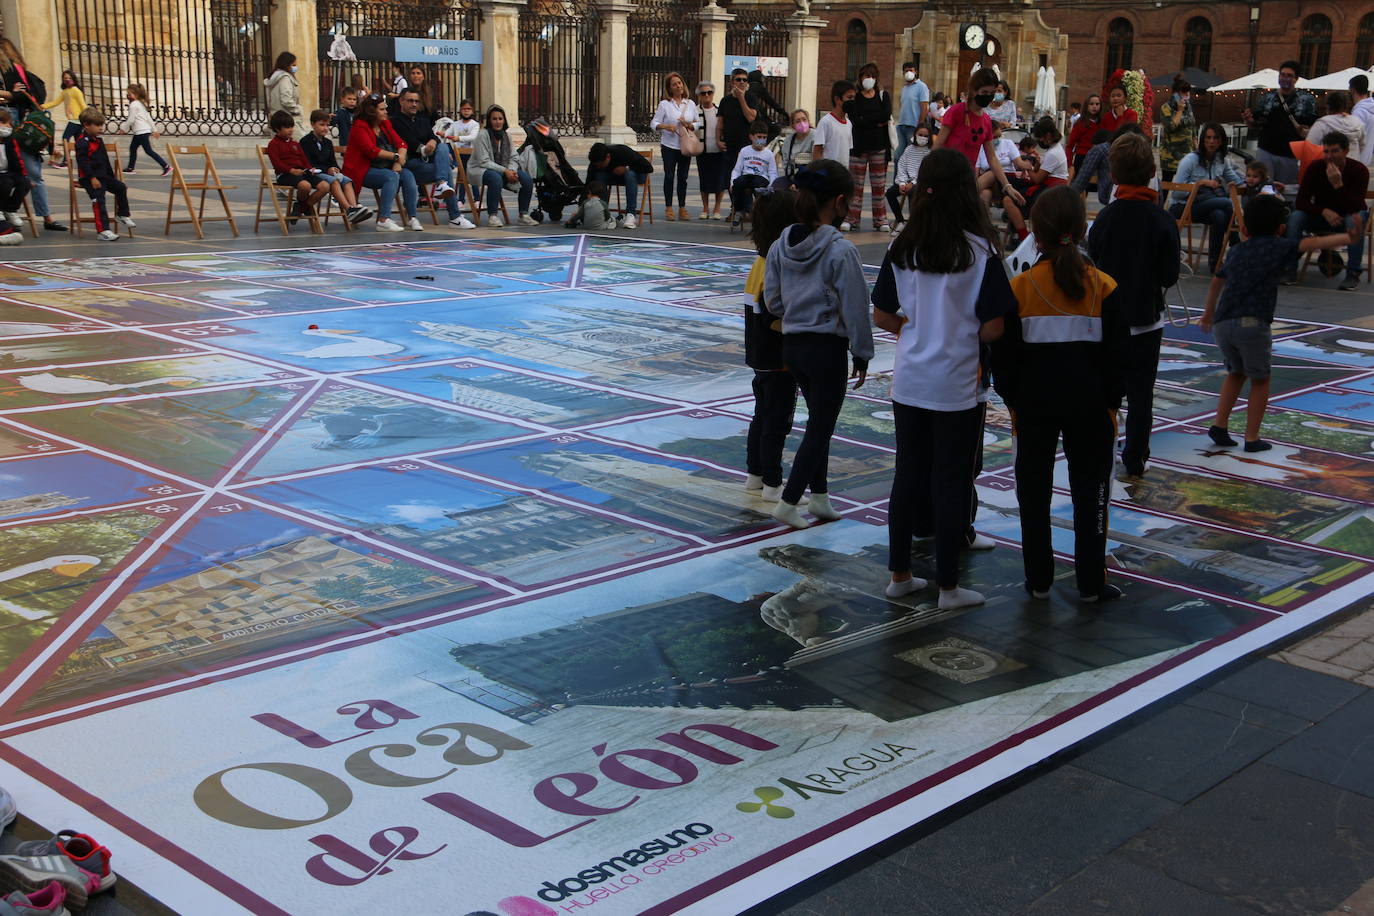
(34, 133)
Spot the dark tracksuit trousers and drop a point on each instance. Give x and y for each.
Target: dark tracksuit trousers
(932, 493)
(13, 187)
(1088, 440)
(820, 364)
(112, 186)
(1142, 365)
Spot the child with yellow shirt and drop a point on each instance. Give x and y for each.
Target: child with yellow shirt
(75, 100)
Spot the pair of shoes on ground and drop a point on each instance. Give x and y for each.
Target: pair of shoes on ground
(1222, 437)
(495, 222)
(1108, 592)
(390, 225)
(109, 235)
(950, 599)
(359, 214)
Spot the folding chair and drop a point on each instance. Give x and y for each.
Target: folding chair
(646, 200)
(1237, 224)
(1189, 251)
(28, 215)
(278, 194)
(327, 209)
(209, 181)
(75, 192)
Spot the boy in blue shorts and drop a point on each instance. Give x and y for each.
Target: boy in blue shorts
(1240, 308)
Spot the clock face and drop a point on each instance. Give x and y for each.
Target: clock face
(973, 37)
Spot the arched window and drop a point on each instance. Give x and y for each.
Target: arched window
(1364, 42)
(855, 47)
(1120, 38)
(1314, 55)
(1197, 43)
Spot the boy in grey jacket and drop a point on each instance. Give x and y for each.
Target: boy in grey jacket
(593, 212)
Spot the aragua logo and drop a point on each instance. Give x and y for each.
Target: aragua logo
(852, 772)
(766, 796)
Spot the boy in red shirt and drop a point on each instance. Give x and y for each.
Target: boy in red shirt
(294, 169)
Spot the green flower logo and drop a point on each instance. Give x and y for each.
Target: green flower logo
(766, 796)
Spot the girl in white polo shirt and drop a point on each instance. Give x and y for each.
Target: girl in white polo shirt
(944, 292)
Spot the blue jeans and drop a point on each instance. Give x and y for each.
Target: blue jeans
(440, 168)
(904, 134)
(144, 142)
(1215, 214)
(630, 181)
(386, 182)
(675, 169)
(33, 165)
(1300, 223)
(494, 181)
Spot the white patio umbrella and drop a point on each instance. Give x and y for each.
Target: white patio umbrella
(1047, 93)
(1333, 81)
(1268, 78)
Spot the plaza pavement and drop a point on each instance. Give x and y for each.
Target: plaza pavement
(1249, 792)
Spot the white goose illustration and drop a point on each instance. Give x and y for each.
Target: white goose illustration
(70, 566)
(48, 383)
(351, 345)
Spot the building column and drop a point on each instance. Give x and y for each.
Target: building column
(613, 58)
(32, 26)
(294, 29)
(803, 62)
(501, 57)
(714, 22)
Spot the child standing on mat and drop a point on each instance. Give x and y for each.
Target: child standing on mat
(1240, 308)
(1059, 369)
(140, 125)
(814, 282)
(775, 390)
(943, 291)
(97, 176)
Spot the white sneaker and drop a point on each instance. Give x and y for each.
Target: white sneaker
(845, 227)
(462, 222)
(127, 221)
(897, 229)
(108, 235)
(821, 508)
(630, 222)
(13, 237)
(414, 225)
(753, 482)
(494, 222)
(443, 190)
(389, 225)
(14, 219)
(527, 220)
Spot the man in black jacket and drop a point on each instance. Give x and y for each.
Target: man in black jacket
(618, 164)
(739, 109)
(427, 158)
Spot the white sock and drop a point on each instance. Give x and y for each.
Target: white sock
(821, 508)
(754, 482)
(789, 514)
(898, 589)
(773, 494)
(981, 542)
(959, 597)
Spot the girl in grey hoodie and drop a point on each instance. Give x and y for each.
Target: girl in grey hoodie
(814, 282)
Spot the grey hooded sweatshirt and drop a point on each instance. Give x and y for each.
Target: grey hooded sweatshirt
(816, 285)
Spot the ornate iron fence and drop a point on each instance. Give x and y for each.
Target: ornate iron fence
(459, 20)
(664, 37)
(560, 64)
(202, 63)
(758, 32)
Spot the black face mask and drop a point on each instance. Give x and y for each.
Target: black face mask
(984, 99)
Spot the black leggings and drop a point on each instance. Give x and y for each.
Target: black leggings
(932, 483)
(775, 403)
(820, 364)
(12, 190)
(144, 142)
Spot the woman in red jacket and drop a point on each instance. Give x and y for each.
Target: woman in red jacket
(376, 159)
(1081, 134)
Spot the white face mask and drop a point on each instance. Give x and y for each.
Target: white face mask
(293, 68)
(760, 142)
(5, 131)
(869, 82)
(922, 141)
(910, 76)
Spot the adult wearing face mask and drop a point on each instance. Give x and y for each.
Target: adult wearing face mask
(915, 105)
(283, 92)
(1282, 116)
(870, 111)
(1178, 128)
(1003, 108)
(795, 148)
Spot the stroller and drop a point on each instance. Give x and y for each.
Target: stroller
(556, 183)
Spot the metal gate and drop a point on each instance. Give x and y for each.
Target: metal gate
(459, 20)
(665, 37)
(758, 31)
(202, 61)
(560, 64)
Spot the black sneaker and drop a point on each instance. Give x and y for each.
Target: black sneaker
(54, 226)
(1351, 282)
(1258, 445)
(1109, 593)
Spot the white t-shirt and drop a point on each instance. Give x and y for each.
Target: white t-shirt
(669, 112)
(399, 84)
(836, 137)
(1007, 150)
(708, 123)
(1055, 162)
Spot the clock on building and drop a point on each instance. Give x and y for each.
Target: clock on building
(973, 36)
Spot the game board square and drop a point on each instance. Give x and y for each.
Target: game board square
(360, 289)
(105, 271)
(74, 481)
(113, 380)
(14, 443)
(1355, 405)
(541, 270)
(251, 297)
(603, 271)
(520, 537)
(450, 282)
(345, 424)
(84, 348)
(26, 321)
(14, 278)
(128, 306)
(1344, 435)
(308, 261)
(1343, 346)
(237, 264)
